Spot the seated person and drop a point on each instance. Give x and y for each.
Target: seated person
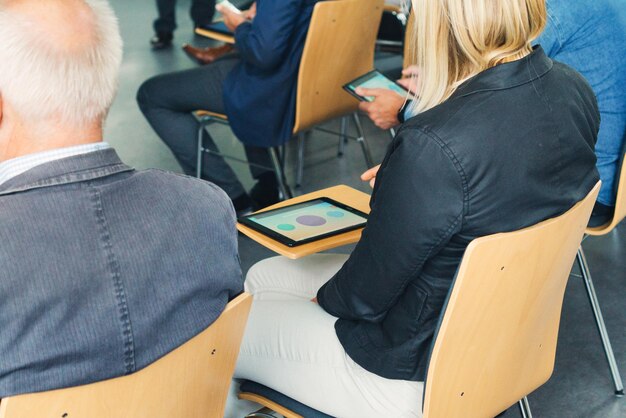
(255, 87)
(493, 147)
(105, 269)
(588, 35)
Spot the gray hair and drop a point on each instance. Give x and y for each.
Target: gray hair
(43, 82)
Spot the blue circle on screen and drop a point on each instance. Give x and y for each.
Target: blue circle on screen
(286, 227)
(336, 214)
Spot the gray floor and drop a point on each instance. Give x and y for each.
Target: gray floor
(581, 384)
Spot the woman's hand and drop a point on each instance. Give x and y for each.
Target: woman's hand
(370, 175)
(410, 79)
(383, 111)
(233, 17)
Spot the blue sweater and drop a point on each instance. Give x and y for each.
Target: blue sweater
(590, 36)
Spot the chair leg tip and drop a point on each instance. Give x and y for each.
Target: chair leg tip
(619, 393)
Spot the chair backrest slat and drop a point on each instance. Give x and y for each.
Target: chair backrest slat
(339, 48)
(497, 339)
(191, 381)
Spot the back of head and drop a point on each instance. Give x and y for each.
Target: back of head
(456, 39)
(60, 59)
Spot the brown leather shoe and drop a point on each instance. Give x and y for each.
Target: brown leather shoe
(207, 55)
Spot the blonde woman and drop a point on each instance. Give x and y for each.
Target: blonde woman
(502, 138)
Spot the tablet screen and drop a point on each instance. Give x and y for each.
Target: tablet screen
(306, 221)
(376, 80)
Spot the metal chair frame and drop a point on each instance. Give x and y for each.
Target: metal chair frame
(618, 216)
(343, 139)
(277, 154)
(597, 313)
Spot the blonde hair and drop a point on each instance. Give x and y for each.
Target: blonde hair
(457, 39)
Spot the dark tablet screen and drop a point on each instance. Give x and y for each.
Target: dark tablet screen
(374, 80)
(307, 221)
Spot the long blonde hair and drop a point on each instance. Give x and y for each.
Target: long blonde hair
(456, 39)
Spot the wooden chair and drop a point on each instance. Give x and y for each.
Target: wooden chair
(339, 48)
(618, 216)
(192, 381)
(409, 41)
(496, 340)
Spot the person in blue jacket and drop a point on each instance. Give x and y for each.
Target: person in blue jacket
(255, 86)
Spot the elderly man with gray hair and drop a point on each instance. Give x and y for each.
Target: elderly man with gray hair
(104, 269)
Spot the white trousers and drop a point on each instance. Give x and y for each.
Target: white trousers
(290, 345)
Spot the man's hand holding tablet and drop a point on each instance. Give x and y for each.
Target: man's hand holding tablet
(233, 17)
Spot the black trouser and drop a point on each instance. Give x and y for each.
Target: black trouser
(202, 12)
(167, 101)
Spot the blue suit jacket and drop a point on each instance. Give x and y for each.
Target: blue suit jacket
(260, 92)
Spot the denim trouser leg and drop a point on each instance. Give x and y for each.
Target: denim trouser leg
(202, 12)
(609, 150)
(166, 22)
(167, 101)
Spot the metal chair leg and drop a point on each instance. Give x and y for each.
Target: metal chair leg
(524, 407)
(362, 141)
(280, 174)
(595, 306)
(300, 168)
(261, 413)
(200, 150)
(343, 138)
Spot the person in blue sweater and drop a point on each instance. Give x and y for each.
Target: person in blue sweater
(590, 36)
(255, 86)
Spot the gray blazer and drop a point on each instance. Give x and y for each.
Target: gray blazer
(104, 269)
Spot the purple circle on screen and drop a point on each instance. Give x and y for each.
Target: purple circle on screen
(310, 220)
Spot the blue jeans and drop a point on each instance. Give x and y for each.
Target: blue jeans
(589, 36)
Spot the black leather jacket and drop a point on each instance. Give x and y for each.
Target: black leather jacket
(513, 146)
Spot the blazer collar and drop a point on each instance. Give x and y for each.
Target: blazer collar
(508, 75)
(75, 169)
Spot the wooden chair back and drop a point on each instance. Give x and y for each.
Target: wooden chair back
(192, 381)
(620, 205)
(409, 42)
(496, 342)
(339, 48)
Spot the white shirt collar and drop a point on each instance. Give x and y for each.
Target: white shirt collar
(16, 166)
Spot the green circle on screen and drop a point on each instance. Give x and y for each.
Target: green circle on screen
(286, 227)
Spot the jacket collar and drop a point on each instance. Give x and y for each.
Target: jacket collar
(75, 169)
(508, 75)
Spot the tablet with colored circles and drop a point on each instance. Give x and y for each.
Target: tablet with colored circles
(306, 222)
